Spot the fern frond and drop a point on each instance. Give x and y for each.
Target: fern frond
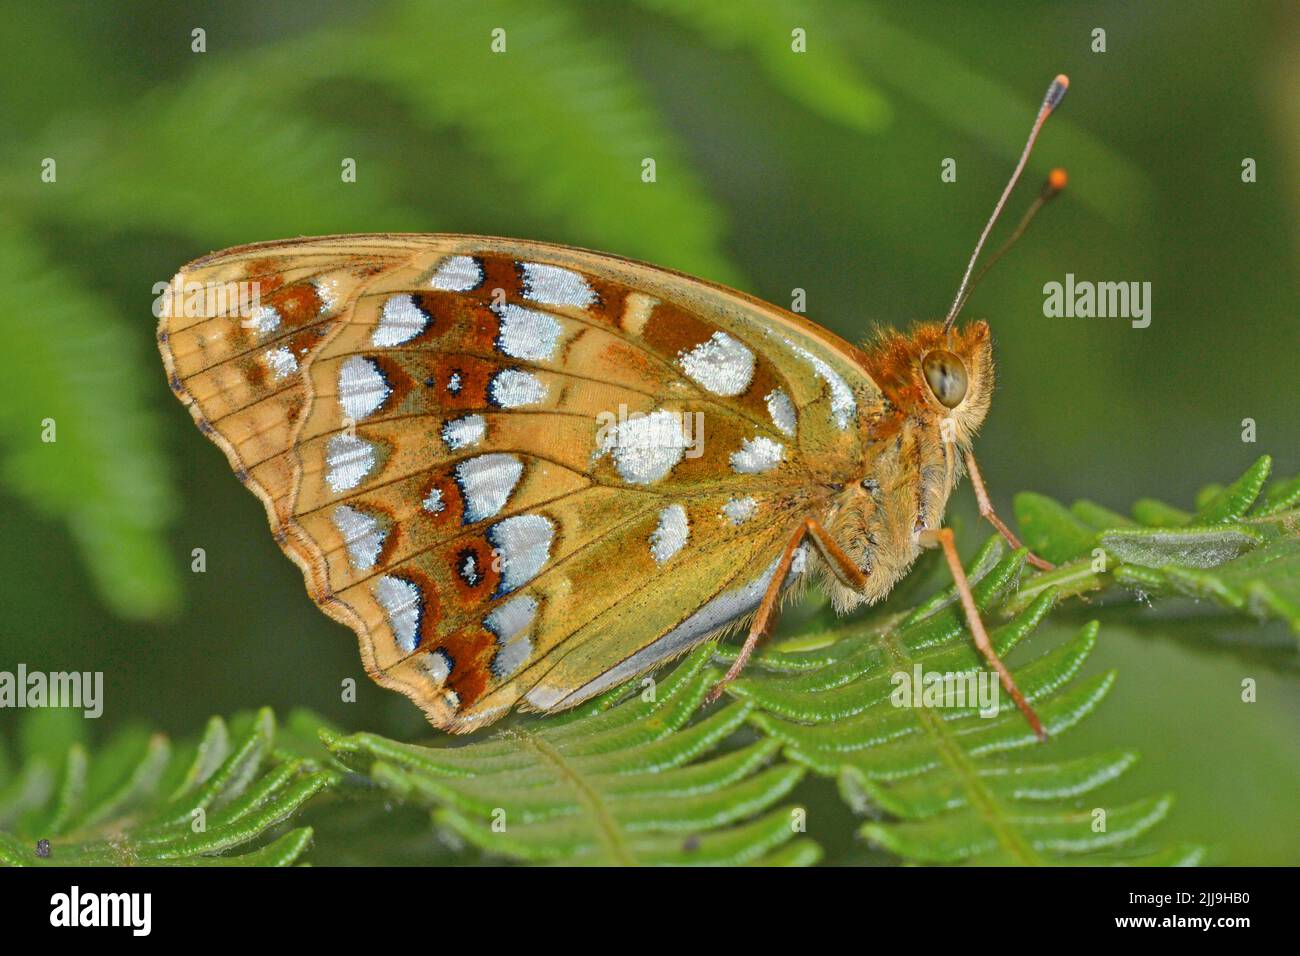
(622, 781)
(142, 800)
(224, 157)
(960, 785)
(1239, 547)
(69, 360)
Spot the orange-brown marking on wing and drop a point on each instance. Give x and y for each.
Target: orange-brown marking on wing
(472, 649)
(297, 304)
(267, 271)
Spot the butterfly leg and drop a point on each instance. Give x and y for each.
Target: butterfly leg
(942, 537)
(848, 573)
(766, 610)
(987, 512)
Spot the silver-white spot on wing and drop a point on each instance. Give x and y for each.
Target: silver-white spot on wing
(328, 291)
(457, 274)
(465, 432)
(433, 502)
(526, 333)
(400, 320)
(782, 411)
(468, 569)
(552, 285)
(739, 510)
(437, 666)
(349, 460)
(756, 456)
(403, 605)
(512, 387)
(645, 447)
(670, 535)
(486, 483)
(722, 365)
(362, 535)
(524, 545)
(362, 387)
(264, 319)
(281, 362)
(511, 619)
(510, 623)
(511, 657)
(843, 405)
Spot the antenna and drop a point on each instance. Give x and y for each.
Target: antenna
(1055, 93)
(1052, 186)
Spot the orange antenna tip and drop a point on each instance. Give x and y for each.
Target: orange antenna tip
(1057, 179)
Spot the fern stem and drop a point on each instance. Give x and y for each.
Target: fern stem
(981, 797)
(606, 827)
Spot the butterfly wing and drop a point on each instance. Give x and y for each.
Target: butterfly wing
(522, 473)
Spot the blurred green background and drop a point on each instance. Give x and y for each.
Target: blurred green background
(775, 171)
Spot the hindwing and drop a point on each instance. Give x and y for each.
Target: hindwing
(522, 473)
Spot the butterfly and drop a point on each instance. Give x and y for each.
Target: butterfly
(525, 473)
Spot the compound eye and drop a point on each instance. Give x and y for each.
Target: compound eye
(946, 376)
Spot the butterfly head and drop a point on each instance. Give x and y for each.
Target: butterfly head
(933, 376)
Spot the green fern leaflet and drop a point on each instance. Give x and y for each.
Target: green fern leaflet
(145, 801)
(622, 782)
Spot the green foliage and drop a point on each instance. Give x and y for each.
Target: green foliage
(828, 83)
(967, 101)
(621, 782)
(570, 134)
(67, 359)
(956, 785)
(197, 193)
(138, 800)
(1239, 547)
